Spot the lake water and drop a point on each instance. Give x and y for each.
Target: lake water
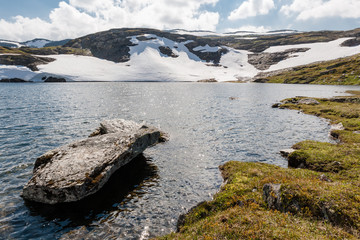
(207, 129)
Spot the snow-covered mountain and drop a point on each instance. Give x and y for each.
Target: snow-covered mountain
(35, 43)
(10, 44)
(153, 55)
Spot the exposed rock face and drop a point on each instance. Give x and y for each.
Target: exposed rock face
(272, 195)
(167, 51)
(13, 80)
(351, 42)
(263, 61)
(74, 171)
(25, 60)
(53, 79)
(114, 45)
(210, 80)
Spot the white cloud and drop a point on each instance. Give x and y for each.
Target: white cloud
(81, 17)
(315, 9)
(252, 8)
(249, 28)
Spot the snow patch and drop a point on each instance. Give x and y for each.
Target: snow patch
(16, 72)
(37, 43)
(206, 48)
(10, 43)
(318, 52)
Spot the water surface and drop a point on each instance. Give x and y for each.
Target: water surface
(207, 129)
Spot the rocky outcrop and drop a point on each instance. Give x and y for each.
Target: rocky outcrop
(79, 169)
(351, 42)
(210, 80)
(168, 52)
(264, 61)
(25, 60)
(53, 79)
(114, 45)
(13, 80)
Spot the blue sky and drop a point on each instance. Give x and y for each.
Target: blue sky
(54, 19)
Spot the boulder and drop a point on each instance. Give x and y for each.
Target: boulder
(272, 196)
(286, 152)
(308, 101)
(74, 171)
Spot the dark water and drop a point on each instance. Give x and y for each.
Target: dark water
(144, 199)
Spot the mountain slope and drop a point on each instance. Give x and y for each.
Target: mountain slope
(154, 55)
(343, 71)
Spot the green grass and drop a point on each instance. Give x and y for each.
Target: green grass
(239, 212)
(344, 71)
(320, 201)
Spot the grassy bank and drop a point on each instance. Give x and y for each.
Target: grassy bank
(320, 200)
(343, 71)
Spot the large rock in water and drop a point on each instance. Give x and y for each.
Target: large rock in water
(72, 172)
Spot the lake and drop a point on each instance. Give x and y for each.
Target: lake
(208, 124)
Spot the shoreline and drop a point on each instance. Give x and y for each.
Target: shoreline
(318, 191)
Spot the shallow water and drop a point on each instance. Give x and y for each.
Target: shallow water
(207, 129)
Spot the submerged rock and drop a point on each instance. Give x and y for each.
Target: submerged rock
(72, 172)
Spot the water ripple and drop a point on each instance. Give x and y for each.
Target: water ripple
(206, 128)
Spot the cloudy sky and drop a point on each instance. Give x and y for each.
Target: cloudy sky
(55, 19)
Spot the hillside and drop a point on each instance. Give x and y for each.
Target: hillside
(343, 71)
(152, 55)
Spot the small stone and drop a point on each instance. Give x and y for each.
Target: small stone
(308, 101)
(286, 152)
(324, 178)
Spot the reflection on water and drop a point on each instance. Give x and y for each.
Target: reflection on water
(206, 128)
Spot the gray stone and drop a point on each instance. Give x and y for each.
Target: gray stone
(308, 101)
(272, 195)
(72, 172)
(286, 152)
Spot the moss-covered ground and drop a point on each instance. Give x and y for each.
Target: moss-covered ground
(321, 200)
(343, 71)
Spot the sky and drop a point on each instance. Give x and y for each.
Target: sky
(22, 20)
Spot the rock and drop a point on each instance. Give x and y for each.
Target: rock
(308, 101)
(168, 52)
(350, 99)
(210, 80)
(264, 60)
(338, 126)
(324, 178)
(276, 105)
(26, 60)
(272, 195)
(53, 79)
(273, 199)
(79, 169)
(233, 98)
(13, 80)
(286, 152)
(351, 42)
